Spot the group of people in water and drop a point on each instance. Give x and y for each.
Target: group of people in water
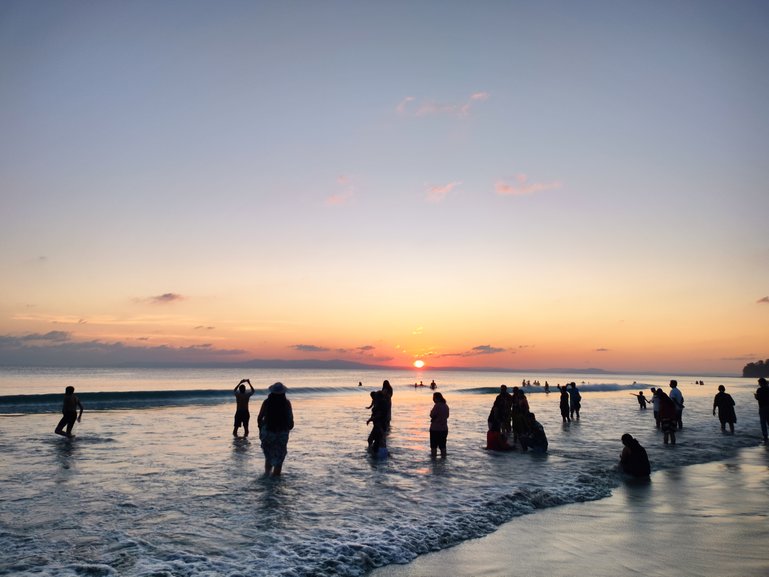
(511, 424)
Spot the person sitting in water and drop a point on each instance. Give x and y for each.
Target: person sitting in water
(496, 437)
(69, 413)
(534, 437)
(633, 460)
(242, 415)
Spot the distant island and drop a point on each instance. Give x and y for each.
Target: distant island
(757, 369)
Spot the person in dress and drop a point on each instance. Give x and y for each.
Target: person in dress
(633, 460)
(439, 426)
(275, 420)
(69, 411)
(242, 414)
(724, 402)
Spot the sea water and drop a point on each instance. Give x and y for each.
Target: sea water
(155, 485)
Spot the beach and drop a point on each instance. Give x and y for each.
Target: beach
(699, 521)
(154, 484)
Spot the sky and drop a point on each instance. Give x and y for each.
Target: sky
(471, 184)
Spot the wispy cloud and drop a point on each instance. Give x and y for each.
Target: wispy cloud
(476, 351)
(165, 298)
(602, 350)
(746, 358)
(438, 193)
(345, 191)
(57, 348)
(310, 348)
(764, 300)
(204, 328)
(409, 106)
(52, 336)
(521, 186)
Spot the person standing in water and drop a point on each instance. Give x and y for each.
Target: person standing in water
(678, 398)
(575, 401)
(242, 415)
(656, 406)
(275, 420)
(668, 416)
(439, 426)
(725, 404)
(762, 396)
(564, 403)
(69, 411)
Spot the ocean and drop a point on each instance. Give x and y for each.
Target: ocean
(155, 485)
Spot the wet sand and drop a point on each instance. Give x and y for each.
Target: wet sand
(700, 521)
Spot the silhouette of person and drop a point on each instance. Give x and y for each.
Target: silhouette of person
(69, 411)
(534, 437)
(668, 416)
(656, 406)
(762, 396)
(575, 401)
(275, 420)
(725, 404)
(242, 415)
(633, 460)
(564, 403)
(439, 426)
(678, 398)
(641, 399)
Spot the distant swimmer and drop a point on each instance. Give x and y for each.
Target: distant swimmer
(69, 411)
(242, 416)
(433, 386)
(633, 460)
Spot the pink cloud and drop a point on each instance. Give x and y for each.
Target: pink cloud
(432, 107)
(763, 300)
(344, 195)
(438, 193)
(522, 186)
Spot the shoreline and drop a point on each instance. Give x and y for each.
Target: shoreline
(705, 520)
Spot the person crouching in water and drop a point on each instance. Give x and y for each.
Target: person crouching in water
(439, 426)
(633, 460)
(69, 413)
(534, 437)
(275, 420)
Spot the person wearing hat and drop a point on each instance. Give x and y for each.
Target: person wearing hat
(275, 420)
(762, 396)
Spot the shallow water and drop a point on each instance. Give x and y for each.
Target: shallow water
(167, 491)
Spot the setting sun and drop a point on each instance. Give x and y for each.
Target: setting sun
(419, 363)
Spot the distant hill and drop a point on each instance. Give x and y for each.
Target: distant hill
(757, 369)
